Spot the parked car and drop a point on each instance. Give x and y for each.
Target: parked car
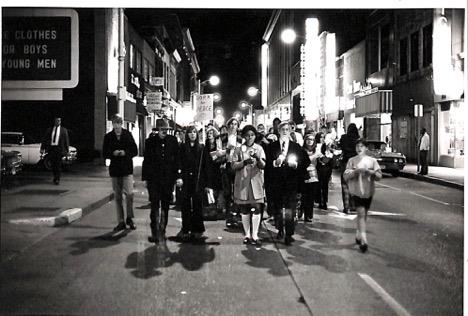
(389, 161)
(30, 149)
(11, 162)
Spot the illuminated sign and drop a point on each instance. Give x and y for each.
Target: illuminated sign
(39, 48)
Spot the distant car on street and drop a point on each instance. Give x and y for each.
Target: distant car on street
(30, 150)
(11, 162)
(391, 162)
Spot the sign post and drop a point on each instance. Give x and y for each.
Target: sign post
(418, 113)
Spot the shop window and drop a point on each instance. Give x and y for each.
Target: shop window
(403, 56)
(414, 51)
(384, 45)
(451, 130)
(427, 45)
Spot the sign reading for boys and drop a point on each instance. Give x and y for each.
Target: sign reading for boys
(204, 104)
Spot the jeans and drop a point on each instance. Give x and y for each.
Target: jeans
(308, 196)
(160, 198)
(288, 202)
(123, 186)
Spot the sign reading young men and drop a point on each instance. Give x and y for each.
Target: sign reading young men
(204, 103)
(39, 48)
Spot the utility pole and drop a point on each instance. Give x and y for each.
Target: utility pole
(121, 90)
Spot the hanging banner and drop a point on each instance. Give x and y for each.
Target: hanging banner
(204, 106)
(156, 81)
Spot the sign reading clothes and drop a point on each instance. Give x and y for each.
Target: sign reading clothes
(39, 48)
(204, 104)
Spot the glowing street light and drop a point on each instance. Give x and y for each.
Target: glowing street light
(237, 115)
(288, 36)
(214, 80)
(216, 97)
(219, 110)
(252, 91)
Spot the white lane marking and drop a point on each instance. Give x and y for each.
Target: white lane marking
(429, 198)
(397, 308)
(414, 193)
(388, 186)
(376, 213)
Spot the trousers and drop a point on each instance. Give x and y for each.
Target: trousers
(123, 189)
(160, 198)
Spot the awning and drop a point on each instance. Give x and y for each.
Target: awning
(141, 109)
(378, 102)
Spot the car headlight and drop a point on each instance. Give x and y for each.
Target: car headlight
(401, 160)
(379, 159)
(395, 160)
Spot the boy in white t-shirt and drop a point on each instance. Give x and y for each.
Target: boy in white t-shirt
(361, 173)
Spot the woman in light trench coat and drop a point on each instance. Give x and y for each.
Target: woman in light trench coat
(249, 194)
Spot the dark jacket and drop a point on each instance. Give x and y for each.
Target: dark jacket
(348, 147)
(161, 161)
(285, 179)
(120, 166)
(192, 168)
(63, 142)
(212, 168)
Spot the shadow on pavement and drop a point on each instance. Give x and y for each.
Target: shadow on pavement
(147, 264)
(83, 245)
(265, 259)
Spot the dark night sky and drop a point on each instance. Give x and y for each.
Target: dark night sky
(228, 41)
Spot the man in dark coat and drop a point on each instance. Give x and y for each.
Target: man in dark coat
(288, 163)
(56, 143)
(161, 166)
(120, 147)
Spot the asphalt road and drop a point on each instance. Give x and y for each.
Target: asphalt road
(414, 265)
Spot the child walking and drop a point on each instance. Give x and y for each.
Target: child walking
(361, 173)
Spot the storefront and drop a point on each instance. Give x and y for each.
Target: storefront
(451, 120)
(375, 106)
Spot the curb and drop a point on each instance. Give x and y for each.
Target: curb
(433, 180)
(65, 217)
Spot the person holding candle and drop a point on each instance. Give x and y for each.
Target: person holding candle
(288, 163)
(249, 162)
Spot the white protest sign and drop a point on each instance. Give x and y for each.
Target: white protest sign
(204, 106)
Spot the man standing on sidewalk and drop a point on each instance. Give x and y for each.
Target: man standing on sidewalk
(424, 144)
(120, 147)
(56, 143)
(159, 170)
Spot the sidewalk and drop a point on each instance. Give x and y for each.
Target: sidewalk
(451, 177)
(32, 206)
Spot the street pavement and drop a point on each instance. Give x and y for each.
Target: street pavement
(414, 265)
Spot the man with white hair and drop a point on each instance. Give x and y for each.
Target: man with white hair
(287, 162)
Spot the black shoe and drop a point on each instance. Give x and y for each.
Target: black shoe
(324, 206)
(307, 220)
(56, 181)
(363, 247)
(358, 241)
(256, 242)
(246, 240)
(130, 223)
(288, 240)
(120, 226)
(153, 239)
(346, 210)
(280, 235)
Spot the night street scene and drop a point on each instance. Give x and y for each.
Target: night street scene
(233, 161)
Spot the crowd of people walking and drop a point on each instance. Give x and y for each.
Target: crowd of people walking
(245, 174)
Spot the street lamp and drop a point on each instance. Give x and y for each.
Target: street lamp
(288, 36)
(213, 81)
(216, 97)
(244, 105)
(237, 115)
(252, 92)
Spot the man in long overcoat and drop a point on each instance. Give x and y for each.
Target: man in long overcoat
(161, 166)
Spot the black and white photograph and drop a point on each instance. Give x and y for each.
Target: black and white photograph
(233, 158)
